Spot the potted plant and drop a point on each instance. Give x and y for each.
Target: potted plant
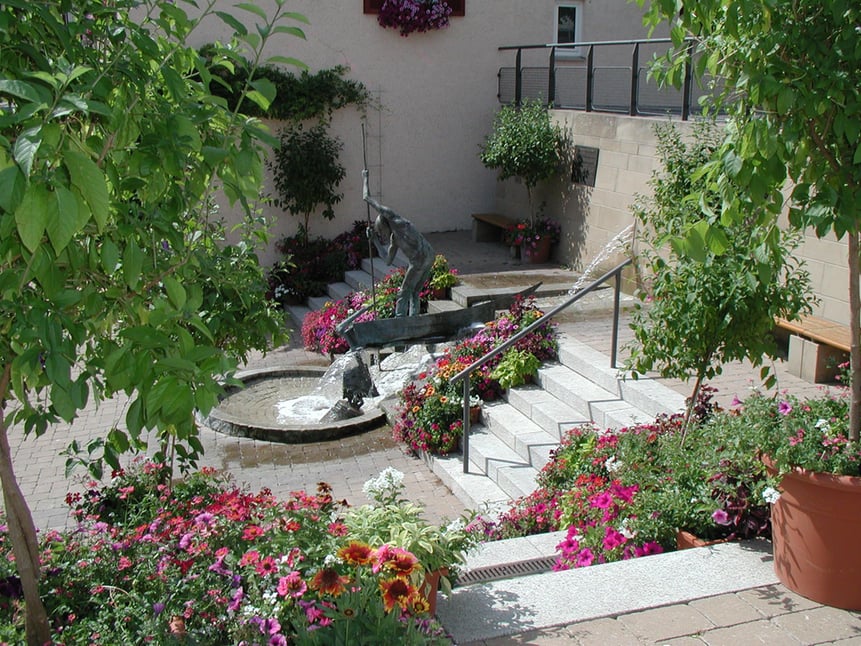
(534, 239)
(816, 511)
(409, 16)
(515, 368)
(442, 278)
(390, 519)
(306, 172)
(525, 143)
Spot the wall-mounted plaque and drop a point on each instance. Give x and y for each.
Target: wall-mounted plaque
(585, 165)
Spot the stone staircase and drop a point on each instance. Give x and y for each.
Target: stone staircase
(516, 435)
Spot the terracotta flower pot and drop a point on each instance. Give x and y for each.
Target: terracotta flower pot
(816, 525)
(474, 414)
(686, 540)
(539, 253)
(430, 587)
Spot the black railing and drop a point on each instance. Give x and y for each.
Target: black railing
(464, 374)
(573, 79)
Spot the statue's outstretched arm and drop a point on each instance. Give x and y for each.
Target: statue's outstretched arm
(366, 193)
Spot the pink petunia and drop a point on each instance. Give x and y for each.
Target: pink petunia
(603, 500)
(613, 539)
(784, 408)
(720, 517)
(585, 558)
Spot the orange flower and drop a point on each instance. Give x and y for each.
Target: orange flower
(356, 553)
(396, 560)
(328, 581)
(396, 592)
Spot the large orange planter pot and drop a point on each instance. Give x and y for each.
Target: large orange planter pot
(816, 531)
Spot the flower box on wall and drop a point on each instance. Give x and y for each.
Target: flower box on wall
(458, 7)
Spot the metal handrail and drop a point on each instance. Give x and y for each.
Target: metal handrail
(478, 363)
(633, 108)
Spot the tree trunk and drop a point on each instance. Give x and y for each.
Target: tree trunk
(22, 533)
(855, 337)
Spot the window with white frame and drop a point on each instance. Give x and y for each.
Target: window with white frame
(569, 19)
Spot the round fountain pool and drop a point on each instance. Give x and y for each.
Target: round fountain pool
(257, 410)
(291, 405)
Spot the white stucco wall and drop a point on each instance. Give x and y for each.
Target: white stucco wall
(438, 92)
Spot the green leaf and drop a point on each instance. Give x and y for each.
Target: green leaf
(292, 31)
(287, 60)
(231, 21)
(21, 90)
(134, 418)
(785, 100)
(62, 222)
(252, 8)
(62, 402)
(25, 149)
(31, 216)
(89, 179)
(266, 88)
(176, 363)
(118, 440)
(132, 263)
(110, 256)
(175, 292)
(12, 185)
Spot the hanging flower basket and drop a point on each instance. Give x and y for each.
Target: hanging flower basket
(409, 16)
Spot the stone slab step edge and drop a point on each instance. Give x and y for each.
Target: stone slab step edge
(496, 609)
(490, 455)
(646, 394)
(530, 441)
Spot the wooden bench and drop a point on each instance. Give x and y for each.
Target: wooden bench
(490, 227)
(816, 347)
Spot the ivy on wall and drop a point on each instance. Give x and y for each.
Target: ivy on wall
(298, 98)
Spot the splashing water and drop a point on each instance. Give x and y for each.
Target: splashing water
(389, 377)
(617, 243)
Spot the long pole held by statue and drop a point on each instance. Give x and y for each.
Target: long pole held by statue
(370, 230)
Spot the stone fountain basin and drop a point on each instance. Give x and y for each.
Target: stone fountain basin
(249, 411)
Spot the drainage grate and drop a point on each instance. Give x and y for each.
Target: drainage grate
(506, 570)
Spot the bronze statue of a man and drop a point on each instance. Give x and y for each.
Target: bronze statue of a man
(399, 233)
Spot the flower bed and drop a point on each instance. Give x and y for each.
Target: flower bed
(205, 562)
(626, 493)
(318, 327)
(429, 417)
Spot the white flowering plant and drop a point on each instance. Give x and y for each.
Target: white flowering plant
(392, 519)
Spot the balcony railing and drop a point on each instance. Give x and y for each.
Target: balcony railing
(596, 77)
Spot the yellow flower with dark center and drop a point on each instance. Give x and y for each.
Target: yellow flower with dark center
(356, 553)
(396, 592)
(328, 581)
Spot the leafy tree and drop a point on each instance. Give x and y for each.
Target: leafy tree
(306, 172)
(113, 275)
(714, 299)
(790, 70)
(525, 143)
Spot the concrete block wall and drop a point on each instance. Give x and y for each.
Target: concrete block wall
(591, 217)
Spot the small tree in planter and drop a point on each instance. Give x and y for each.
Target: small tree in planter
(525, 143)
(708, 307)
(307, 171)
